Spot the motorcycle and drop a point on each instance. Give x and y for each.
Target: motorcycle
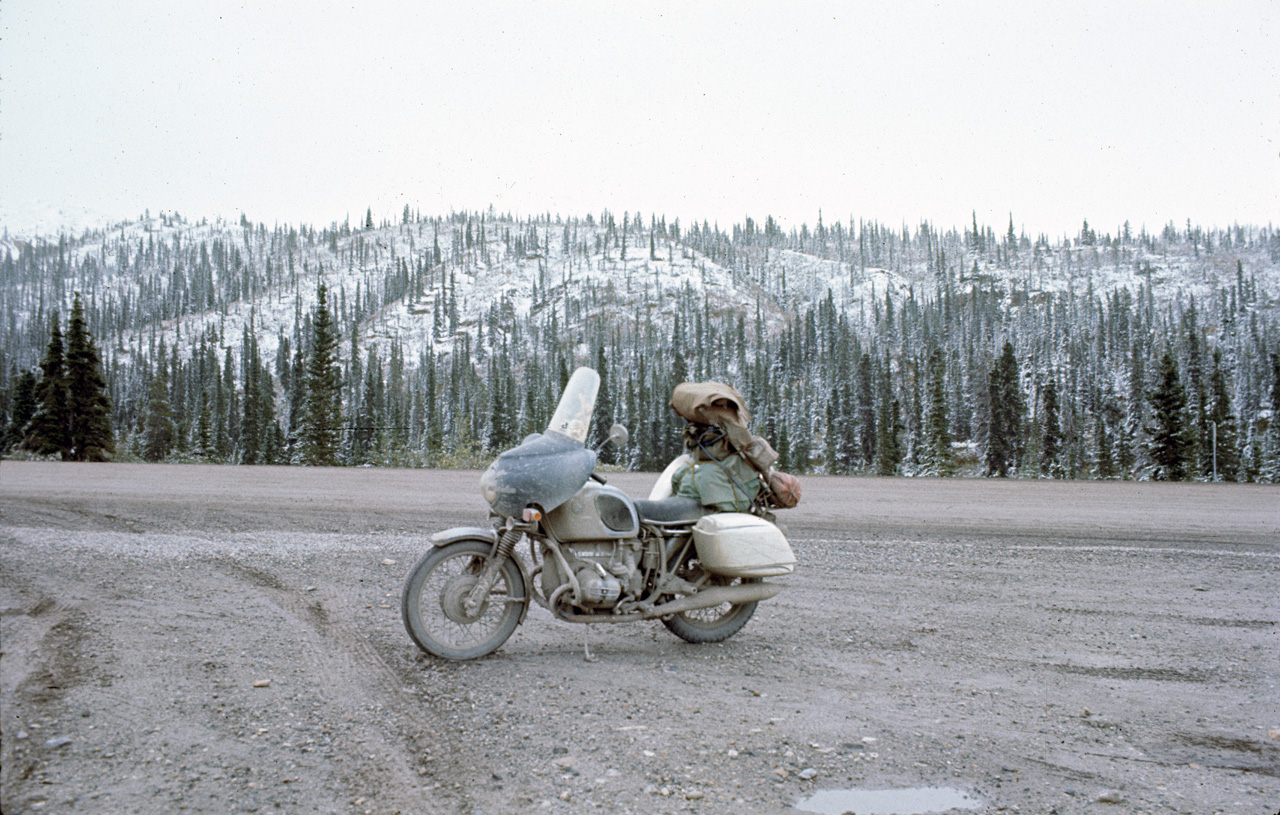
(595, 554)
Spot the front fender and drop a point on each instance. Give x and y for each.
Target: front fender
(489, 535)
(463, 533)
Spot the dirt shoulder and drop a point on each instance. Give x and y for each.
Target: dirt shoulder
(227, 639)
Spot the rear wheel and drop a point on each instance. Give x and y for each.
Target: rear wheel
(432, 603)
(715, 624)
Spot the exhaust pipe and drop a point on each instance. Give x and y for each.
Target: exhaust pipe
(714, 596)
(707, 598)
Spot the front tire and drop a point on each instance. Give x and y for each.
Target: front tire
(432, 602)
(715, 624)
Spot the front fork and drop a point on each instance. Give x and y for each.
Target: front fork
(502, 550)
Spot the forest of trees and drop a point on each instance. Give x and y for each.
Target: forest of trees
(441, 341)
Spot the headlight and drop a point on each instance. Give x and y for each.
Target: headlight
(489, 486)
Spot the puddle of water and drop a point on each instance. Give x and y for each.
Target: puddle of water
(913, 801)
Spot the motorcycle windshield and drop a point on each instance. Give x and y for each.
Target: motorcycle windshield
(547, 469)
(573, 415)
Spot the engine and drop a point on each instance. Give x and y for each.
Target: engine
(597, 532)
(606, 572)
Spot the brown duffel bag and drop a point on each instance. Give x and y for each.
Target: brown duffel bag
(710, 403)
(715, 403)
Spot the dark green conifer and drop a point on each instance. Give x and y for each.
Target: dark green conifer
(1004, 436)
(49, 432)
(866, 413)
(1171, 441)
(21, 410)
(938, 456)
(205, 447)
(87, 402)
(324, 390)
(1224, 450)
(602, 419)
(1051, 432)
(158, 429)
(889, 454)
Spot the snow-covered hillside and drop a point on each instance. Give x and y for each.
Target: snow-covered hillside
(474, 263)
(455, 329)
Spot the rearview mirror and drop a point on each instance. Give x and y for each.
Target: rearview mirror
(618, 436)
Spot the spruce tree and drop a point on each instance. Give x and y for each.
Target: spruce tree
(398, 405)
(842, 444)
(889, 452)
(324, 389)
(1171, 441)
(778, 431)
(158, 428)
(602, 419)
(939, 459)
(368, 411)
(49, 432)
(434, 432)
(866, 413)
(801, 447)
(1224, 441)
(889, 440)
(205, 448)
(273, 441)
(87, 402)
(502, 417)
(1004, 435)
(1125, 457)
(1200, 453)
(297, 393)
(831, 434)
(915, 417)
(228, 432)
(251, 430)
(1103, 462)
(1051, 432)
(22, 408)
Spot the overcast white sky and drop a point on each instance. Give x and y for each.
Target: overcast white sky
(307, 112)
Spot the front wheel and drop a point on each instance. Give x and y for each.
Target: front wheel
(715, 624)
(432, 603)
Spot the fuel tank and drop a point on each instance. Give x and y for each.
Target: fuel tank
(596, 512)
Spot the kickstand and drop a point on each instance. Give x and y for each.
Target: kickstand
(586, 646)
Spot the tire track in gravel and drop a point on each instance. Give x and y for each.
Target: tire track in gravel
(50, 630)
(395, 730)
(348, 654)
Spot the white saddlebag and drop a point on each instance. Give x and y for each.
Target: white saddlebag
(736, 544)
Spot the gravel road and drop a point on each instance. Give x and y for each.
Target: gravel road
(227, 639)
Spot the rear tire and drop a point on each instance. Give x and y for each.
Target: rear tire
(715, 624)
(432, 602)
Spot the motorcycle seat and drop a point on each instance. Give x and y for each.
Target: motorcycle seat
(671, 510)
